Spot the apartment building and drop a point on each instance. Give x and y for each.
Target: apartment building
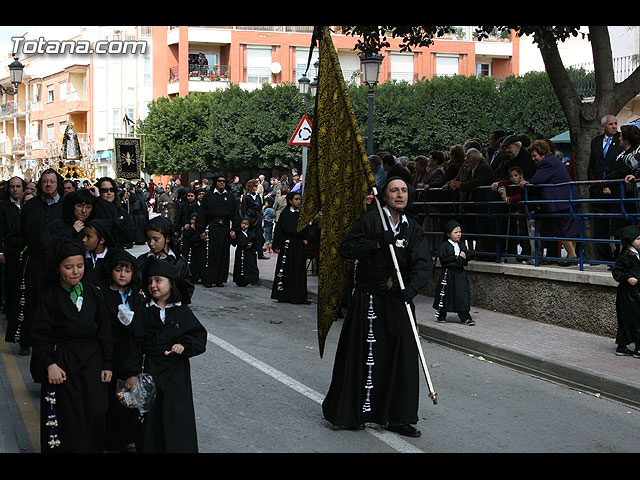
(96, 91)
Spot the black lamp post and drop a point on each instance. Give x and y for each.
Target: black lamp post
(15, 71)
(370, 64)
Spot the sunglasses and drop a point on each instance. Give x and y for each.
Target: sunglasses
(105, 190)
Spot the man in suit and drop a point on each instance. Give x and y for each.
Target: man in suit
(605, 148)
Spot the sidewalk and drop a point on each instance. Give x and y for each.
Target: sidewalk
(580, 360)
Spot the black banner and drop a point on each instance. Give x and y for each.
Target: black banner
(127, 158)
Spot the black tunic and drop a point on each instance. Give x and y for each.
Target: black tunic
(13, 269)
(193, 250)
(290, 278)
(251, 208)
(170, 425)
(245, 265)
(122, 424)
(627, 298)
(375, 375)
(80, 343)
(36, 214)
(218, 214)
(452, 290)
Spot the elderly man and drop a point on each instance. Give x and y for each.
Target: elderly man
(515, 156)
(605, 148)
(481, 175)
(36, 214)
(379, 384)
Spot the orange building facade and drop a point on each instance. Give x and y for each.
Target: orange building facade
(250, 56)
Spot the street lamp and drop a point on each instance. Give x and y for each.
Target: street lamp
(370, 65)
(15, 71)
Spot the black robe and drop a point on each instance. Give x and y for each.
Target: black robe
(13, 269)
(245, 265)
(627, 298)
(375, 375)
(193, 250)
(218, 214)
(252, 209)
(290, 278)
(36, 214)
(452, 290)
(122, 423)
(80, 343)
(170, 425)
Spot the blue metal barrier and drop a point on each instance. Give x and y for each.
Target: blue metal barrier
(438, 205)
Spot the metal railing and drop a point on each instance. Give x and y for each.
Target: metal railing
(438, 205)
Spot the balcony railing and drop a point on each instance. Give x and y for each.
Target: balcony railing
(207, 73)
(583, 77)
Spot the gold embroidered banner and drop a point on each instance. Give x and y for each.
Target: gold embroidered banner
(336, 182)
(127, 158)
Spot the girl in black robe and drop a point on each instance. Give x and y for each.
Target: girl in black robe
(160, 239)
(452, 291)
(72, 354)
(375, 375)
(122, 298)
(245, 265)
(626, 272)
(290, 280)
(251, 208)
(167, 334)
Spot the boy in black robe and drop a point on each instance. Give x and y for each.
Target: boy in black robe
(245, 265)
(452, 291)
(626, 272)
(375, 376)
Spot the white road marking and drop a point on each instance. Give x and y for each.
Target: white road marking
(387, 437)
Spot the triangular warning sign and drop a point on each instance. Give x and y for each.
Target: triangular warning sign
(302, 135)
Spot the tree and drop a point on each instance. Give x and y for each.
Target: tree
(583, 118)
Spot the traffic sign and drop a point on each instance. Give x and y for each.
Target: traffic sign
(302, 135)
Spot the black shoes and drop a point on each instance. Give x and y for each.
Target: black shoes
(405, 430)
(625, 352)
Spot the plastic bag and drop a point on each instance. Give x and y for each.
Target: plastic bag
(141, 396)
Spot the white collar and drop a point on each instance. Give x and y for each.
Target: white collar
(396, 227)
(163, 313)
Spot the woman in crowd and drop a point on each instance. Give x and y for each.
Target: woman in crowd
(77, 210)
(251, 208)
(110, 207)
(551, 170)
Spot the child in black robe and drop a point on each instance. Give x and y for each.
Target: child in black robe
(245, 266)
(167, 334)
(122, 298)
(626, 272)
(159, 233)
(290, 279)
(452, 291)
(193, 249)
(72, 354)
(98, 240)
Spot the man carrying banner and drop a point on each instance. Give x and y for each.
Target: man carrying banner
(375, 375)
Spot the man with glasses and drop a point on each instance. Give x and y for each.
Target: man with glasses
(217, 219)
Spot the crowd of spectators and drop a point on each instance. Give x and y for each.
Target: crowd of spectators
(482, 186)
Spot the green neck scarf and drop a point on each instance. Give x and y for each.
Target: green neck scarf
(75, 292)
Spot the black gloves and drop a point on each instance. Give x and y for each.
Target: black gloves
(408, 293)
(387, 237)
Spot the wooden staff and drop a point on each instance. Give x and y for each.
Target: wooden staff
(432, 393)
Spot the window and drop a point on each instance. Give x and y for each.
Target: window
(49, 93)
(483, 69)
(258, 63)
(402, 67)
(63, 90)
(446, 65)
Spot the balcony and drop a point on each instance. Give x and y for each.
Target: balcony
(583, 77)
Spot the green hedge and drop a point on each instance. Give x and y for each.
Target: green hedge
(234, 129)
